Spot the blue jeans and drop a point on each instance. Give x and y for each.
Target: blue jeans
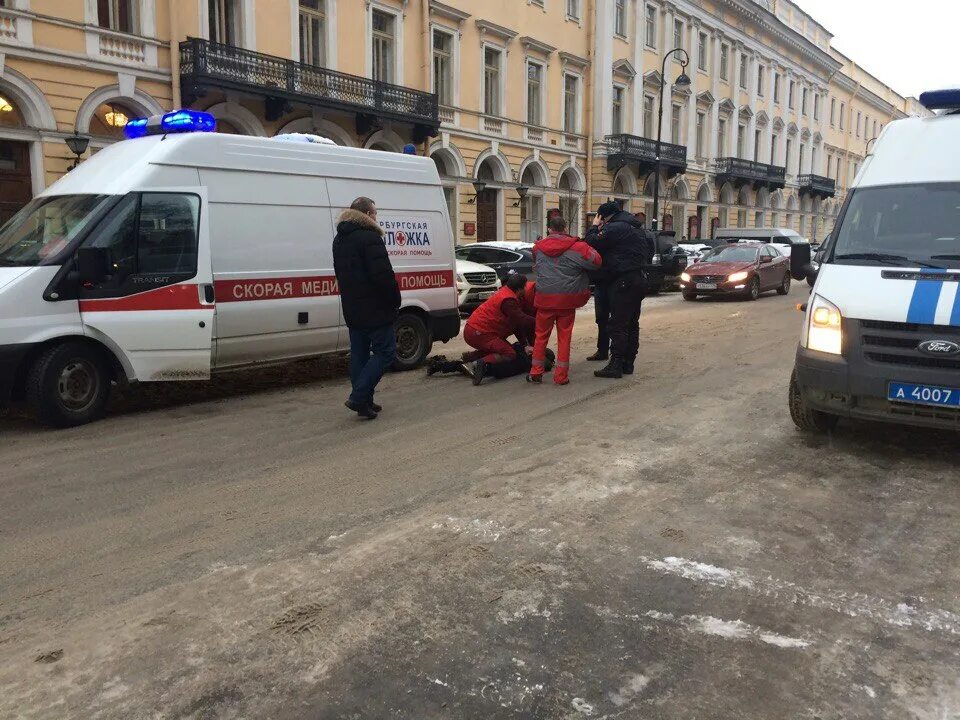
(372, 351)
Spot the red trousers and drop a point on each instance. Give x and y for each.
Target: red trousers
(546, 319)
(492, 348)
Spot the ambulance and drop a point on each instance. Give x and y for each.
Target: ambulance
(881, 336)
(181, 252)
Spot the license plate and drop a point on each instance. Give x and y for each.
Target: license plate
(923, 394)
(706, 286)
(486, 295)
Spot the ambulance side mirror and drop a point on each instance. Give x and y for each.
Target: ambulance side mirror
(93, 265)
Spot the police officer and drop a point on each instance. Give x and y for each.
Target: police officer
(627, 250)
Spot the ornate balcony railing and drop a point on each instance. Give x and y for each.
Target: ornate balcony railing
(205, 64)
(817, 185)
(626, 149)
(742, 172)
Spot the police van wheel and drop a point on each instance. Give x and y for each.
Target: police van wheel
(413, 342)
(68, 385)
(805, 417)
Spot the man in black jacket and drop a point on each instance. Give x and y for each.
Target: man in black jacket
(370, 297)
(627, 250)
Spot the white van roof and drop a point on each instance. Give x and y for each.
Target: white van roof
(755, 232)
(914, 150)
(126, 165)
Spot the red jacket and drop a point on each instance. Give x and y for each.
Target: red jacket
(502, 316)
(529, 300)
(562, 264)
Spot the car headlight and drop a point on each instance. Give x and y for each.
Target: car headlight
(825, 330)
(685, 277)
(737, 277)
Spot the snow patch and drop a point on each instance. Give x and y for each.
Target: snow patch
(582, 706)
(635, 685)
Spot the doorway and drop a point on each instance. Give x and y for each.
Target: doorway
(487, 202)
(16, 189)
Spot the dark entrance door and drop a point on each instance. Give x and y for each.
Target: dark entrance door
(15, 186)
(487, 216)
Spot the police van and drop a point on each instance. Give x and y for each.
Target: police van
(181, 252)
(881, 337)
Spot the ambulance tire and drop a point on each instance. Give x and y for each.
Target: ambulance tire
(806, 418)
(414, 342)
(68, 385)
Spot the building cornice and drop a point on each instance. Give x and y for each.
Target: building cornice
(487, 27)
(543, 48)
(574, 60)
(450, 13)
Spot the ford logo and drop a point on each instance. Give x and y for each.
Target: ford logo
(939, 347)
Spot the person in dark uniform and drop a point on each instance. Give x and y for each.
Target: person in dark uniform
(627, 250)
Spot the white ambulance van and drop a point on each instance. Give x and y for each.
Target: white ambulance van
(184, 252)
(881, 338)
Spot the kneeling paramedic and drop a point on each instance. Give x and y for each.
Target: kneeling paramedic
(488, 328)
(562, 264)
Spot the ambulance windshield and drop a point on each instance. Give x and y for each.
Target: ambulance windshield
(903, 225)
(42, 229)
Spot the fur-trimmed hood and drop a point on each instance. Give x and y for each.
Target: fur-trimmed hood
(361, 220)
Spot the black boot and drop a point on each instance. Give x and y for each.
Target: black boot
(613, 370)
(628, 367)
(598, 356)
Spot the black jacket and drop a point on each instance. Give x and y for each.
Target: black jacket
(368, 287)
(623, 244)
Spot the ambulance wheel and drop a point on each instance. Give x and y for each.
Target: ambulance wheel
(68, 385)
(413, 342)
(805, 417)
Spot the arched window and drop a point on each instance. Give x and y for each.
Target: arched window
(9, 114)
(569, 187)
(110, 118)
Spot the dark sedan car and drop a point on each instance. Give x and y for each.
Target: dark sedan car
(516, 257)
(745, 269)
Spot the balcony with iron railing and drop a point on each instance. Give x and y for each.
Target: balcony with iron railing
(207, 65)
(817, 186)
(626, 149)
(740, 172)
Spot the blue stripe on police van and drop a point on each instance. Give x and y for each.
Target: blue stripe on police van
(923, 304)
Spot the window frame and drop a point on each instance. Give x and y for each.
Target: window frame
(541, 93)
(501, 96)
(776, 88)
(578, 103)
(703, 52)
(650, 26)
(577, 13)
(324, 19)
(724, 62)
(621, 127)
(453, 36)
(744, 79)
(114, 14)
(621, 21)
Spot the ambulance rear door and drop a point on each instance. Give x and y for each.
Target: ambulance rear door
(146, 285)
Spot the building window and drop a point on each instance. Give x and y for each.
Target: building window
(843, 111)
(803, 101)
(741, 140)
(648, 115)
(833, 111)
(829, 165)
(224, 21)
(724, 62)
(813, 159)
(760, 77)
(534, 93)
(313, 32)
(443, 66)
(573, 9)
(675, 125)
(384, 44)
(618, 93)
(702, 53)
(803, 153)
(677, 35)
(113, 14)
(774, 141)
(792, 93)
(620, 18)
(571, 103)
(756, 146)
(744, 61)
(859, 122)
(816, 107)
(492, 60)
(874, 129)
(721, 138)
(651, 38)
(701, 128)
(789, 158)
(776, 88)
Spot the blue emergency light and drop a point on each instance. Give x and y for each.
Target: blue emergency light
(941, 99)
(178, 121)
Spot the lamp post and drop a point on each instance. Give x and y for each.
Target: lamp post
(682, 81)
(78, 146)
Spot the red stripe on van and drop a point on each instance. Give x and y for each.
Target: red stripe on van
(172, 297)
(286, 288)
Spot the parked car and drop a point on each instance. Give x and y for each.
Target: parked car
(786, 240)
(672, 259)
(695, 251)
(746, 269)
(475, 283)
(504, 258)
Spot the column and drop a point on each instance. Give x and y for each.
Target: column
(782, 149)
(767, 154)
(639, 42)
(715, 108)
(667, 99)
(694, 73)
(736, 60)
(603, 71)
(754, 65)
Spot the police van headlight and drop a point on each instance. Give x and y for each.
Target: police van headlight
(825, 329)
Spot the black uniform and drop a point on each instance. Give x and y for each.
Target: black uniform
(627, 251)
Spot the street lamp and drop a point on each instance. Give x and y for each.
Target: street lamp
(682, 81)
(78, 146)
(522, 191)
(478, 186)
